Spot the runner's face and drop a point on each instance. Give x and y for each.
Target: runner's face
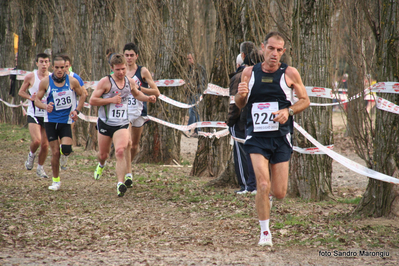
(273, 50)
(119, 71)
(190, 59)
(67, 65)
(43, 64)
(131, 57)
(59, 68)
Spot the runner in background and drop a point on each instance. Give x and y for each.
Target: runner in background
(29, 90)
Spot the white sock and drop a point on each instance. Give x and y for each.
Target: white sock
(32, 153)
(39, 166)
(264, 225)
(102, 166)
(129, 174)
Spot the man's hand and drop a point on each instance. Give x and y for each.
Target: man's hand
(33, 97)
(50, 107)
(152, 98)
(74, 115)
(281, 116)
(116, 99)
(243, 88)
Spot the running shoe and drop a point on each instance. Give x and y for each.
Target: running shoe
(40, 173)
(128, 181)
(99, 172)
(29, 162)
(253, 192)
(241, 191)
(121, 189)
(265, 239)
(55, 186)
(63, 162)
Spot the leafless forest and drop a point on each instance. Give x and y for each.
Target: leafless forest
(325, 39)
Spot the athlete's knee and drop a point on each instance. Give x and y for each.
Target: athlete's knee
(135, 147)
(36, 142)
(44, 145)
(263, 186)
(120, 152)
(279, 193)
(66, 149)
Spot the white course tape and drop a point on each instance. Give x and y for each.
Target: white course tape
(313, 150)
(356, 167)
(169, 82)
(14, 105)
(176, 103)
(386, 105)
(386, 87)
(216, 90)
(217, 134)
(319, 92)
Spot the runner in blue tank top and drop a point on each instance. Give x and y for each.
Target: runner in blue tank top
(111, 94)
(68, 63)
(61, 91)
(137, 109)
(267, 90)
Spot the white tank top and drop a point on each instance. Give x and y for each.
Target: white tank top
(115, 114)
(32, 110)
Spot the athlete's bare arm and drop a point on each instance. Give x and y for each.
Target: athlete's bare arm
(44, 83)
(28, 82)
(242, 92)
(140, 95)
(104, 86)
(81, 92)
(294, 81)
(153, 90)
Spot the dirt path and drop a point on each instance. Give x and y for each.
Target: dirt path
(163, 224)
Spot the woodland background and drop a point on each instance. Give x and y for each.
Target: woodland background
(324, 40)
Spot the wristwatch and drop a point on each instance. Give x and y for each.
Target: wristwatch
(77, 111)
(290, 111)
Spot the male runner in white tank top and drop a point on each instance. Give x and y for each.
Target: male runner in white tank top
(111, 94)
(137, 117)
(37, 132)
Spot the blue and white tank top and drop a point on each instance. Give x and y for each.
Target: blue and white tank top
(64, 99)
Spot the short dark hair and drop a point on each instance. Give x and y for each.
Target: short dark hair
(131, 46)
(255, 57)
(58, 58)
(117, 59)
(246, 47)
(66, 58)
(275, 34)
(110, 50)
(41, 55)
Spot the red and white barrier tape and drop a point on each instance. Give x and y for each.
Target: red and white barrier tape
(386, 105)
(385, 87)
(356, 167)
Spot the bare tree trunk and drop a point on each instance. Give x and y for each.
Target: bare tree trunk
(160, 143)
(381, 198)
(7, 27)
(212, 154)
(311, 174)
